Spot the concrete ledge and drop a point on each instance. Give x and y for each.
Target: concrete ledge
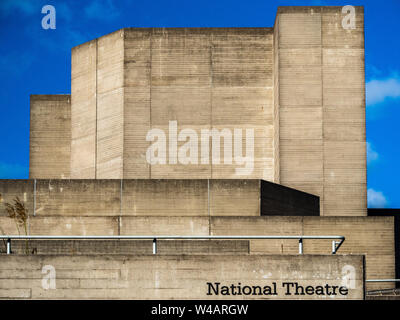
(178, 277)
(158, 197)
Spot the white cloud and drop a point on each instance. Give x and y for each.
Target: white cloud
(372, 155)
(376, 199)
(379, 90)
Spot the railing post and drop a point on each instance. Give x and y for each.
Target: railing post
(300, 245)
(154, 246)
(8, 246)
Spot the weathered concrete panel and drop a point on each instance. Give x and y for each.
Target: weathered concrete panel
(63, 225)
(334, 35)
(344, 115)
(322, 106)
(180, 57)
(242, 57)
(177, 277)
(247, 226)
(201, 78)
(83, 110)
(165, 197)
(110, 106)
(371, 236)
(78, 197)
(300, 98)
(301, 161)
(195, 226)
(50, 137)
(235, 197)
(299, 27)
(137, 112)
(276, 113)
(10, 189)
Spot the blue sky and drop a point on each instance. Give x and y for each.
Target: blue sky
(37, 61)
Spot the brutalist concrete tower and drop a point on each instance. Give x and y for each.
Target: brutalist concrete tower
(291, 96)
(300, 86)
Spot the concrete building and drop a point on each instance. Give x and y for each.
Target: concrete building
(298, 87)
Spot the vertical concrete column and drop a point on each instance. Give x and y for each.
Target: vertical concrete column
(344, 113)
(50, 137)
(298, 96)
(110, 106)
(321, 100)
(83, 110)
(275, 72)
(137, 103)
(97, 121)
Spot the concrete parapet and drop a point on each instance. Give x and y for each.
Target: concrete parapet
(149, 197)
(179, 276)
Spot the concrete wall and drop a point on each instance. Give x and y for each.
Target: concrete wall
(137, 102)
(321, 102)
(300, 86)
(10, 189)
(110, 106)
(140, 79)
(371, 236)
(50, 136)
(144, 197)
(172, 277)
(150, 197)
(83, 110)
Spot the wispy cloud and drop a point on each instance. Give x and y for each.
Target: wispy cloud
(102, 10)
(378, 90)
(13, 171)
(372, 155)
(376, 199)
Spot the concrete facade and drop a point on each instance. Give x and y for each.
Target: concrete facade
(369, 236)
(299, 85)
(201, 78)
(151, 197)
(175, 276)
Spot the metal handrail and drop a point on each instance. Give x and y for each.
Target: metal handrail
(383, 280)
(335, 244)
